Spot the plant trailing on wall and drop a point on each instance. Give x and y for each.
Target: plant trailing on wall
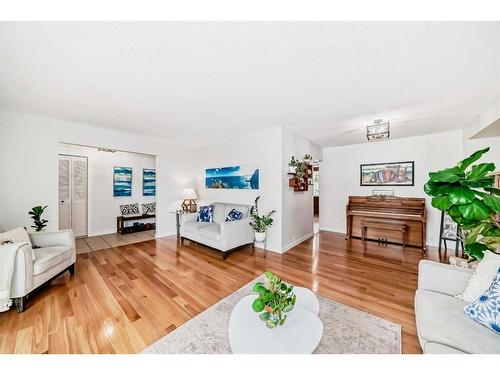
(260, 223)
(275, 300)
(465, 191)
(36, 214)
(300, 165)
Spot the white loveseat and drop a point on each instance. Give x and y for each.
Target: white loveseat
(220, 234)
(55, 256)
(441, 324)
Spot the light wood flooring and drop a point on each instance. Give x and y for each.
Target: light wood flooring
(125, 298)
(106, 241)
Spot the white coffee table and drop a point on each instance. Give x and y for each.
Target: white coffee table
(300, 334)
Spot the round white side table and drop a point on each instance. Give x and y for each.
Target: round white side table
(248, 334)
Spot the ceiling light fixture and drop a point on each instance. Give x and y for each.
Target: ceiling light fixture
(378, 130)
(106, 150)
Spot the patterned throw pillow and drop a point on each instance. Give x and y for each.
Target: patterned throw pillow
(149, 208)
(205, 214)
(234, 215)
(129, 209)
(486, 309)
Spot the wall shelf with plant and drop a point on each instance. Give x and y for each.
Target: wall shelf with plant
(302, 171)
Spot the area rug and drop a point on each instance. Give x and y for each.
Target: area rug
(346, 330)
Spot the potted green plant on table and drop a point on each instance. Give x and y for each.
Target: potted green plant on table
(275, 300)
(36, 214)
(466, 192)
(260, 223)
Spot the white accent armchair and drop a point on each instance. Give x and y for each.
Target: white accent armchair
(220, 234)
(56, 254)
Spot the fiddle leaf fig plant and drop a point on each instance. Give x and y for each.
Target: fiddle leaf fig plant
(36, 214)
(258, 222)
(466, 192)
(275, 300)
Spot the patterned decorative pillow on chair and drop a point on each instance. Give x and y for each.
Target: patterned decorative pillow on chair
(234, 215)
(148, 208)
(486, 309)
(129, 209)
(205, 214)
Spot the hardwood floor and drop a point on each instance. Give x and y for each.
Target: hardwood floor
(123, 299)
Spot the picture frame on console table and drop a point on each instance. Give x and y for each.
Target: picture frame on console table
(388, 174)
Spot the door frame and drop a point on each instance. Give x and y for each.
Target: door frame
(71, 192)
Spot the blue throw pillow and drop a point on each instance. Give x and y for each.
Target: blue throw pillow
(234, 215)
(486, 309)
(205, 214)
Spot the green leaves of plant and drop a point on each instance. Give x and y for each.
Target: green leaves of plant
(446, 175)
(441, 203)
(476, 250)
(462, 165)
(492, 202)
(461, 195)
(476, 210)
(480, 171)
(258, 305)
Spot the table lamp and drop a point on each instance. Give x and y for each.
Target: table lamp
(189, 195)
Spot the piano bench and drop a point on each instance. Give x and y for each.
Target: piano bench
(386, 225)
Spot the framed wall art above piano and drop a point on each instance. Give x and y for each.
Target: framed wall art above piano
(387, 174)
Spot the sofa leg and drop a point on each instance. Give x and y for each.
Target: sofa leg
(71, 269)
(224, 255)
(20, 304)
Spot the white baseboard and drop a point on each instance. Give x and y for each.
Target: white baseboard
(296, 242)
(165, 234)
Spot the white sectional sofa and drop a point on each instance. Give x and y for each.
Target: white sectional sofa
(220, 234)
(441, 324)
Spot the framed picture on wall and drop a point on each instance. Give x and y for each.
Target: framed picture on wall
(387, 174)
(234, 177)
(122, 182)
(149, 182)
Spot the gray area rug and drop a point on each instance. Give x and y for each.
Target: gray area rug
(346, 330)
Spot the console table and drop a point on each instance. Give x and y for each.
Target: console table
(121, 228)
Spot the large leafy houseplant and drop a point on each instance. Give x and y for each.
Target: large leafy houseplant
(36, 214)
(258, 222)
(275, 300)
(466, 192)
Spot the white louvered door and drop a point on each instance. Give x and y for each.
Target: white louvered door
(73, 194)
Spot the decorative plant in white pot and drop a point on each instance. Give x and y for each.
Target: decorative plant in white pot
(260, 223)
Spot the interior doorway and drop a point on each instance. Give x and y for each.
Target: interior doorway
(73, 193)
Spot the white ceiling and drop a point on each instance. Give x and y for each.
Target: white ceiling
(199, 82)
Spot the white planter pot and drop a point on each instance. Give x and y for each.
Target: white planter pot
(260, 236)
(291, 169)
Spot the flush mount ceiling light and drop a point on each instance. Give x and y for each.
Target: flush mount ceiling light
(106, 150)
(377, 131)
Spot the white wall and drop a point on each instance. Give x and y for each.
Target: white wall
(262, 148)
(297, 205)
(103, 207)
(339, 173)
(29, 159)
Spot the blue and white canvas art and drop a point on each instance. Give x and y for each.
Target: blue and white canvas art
(149, 182)
(236, 177)
(122, 182)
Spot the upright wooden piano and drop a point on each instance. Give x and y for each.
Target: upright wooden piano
(407, 213)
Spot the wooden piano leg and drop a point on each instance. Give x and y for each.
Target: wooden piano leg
(348, 226)
(403, 237)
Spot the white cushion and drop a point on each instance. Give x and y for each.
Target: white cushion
(211, 231)
(441, 319)
(482, 277)
(48, 257)
(18, 234)
(218, 215)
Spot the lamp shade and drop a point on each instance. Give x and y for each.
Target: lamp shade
(189, 193)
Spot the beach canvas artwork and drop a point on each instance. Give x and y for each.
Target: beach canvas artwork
(122, 182)
(235, 177)
(387, 174)
(149, 182)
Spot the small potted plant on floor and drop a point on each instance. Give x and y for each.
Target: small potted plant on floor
(275, 300)
(260, 223)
